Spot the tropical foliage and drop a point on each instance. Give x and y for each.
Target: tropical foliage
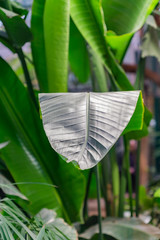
(90, 38)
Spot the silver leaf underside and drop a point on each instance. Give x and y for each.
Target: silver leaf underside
(83, 127)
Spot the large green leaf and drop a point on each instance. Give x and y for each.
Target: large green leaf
(16, 28)
(38, 45)
(84, 126)
(124, 18)
(29, 156)
(78, 54)
(88, 17)
(123, 229)
(56, 33)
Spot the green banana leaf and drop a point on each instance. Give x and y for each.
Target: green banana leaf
(56, 35)
(17, 30)
(29, 156)
(94, 31)
(37, 44)
(124, 18)
(78, 54)
(88, 17)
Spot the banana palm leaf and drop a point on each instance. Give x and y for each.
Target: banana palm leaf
(29, 157)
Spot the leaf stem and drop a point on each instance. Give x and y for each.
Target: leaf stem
(85, 212)
(115, 179)
(137, 178)
(123, 181)
(105, 184)
(98, 201)
(27, 76)
(129, 180)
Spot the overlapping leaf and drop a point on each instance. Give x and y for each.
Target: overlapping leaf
(123, 19)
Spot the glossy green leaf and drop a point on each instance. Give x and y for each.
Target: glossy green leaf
(138, 134)
(78, 54)
(29, 156)
(88, 17)
(38, 45)
(124, 18)
(16, 28)
(136, 122)
(124, 229)
(56, 34)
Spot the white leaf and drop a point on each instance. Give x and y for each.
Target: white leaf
(84, 126)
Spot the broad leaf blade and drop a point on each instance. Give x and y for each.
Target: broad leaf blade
(28, 161)
(124, 18)
(84, 126)
(56, 33)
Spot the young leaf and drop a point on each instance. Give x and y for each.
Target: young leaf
(84, 126)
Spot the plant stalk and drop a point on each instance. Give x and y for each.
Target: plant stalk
(105, 183)
(129, 180)
(123, 182)
(98, 201)
(115, 179)
(85, 210)
(27, 77)
(137, 178)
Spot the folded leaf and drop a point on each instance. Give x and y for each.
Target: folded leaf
(84, 126)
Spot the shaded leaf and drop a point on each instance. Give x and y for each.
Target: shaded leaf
(94, 31)
(125, 229)
(37, 167)
(38, 45)
(150, 44)
(16, 28)
(56, 34)
(78, 54)
(84, 126)
(17, 8)
(98, 73)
